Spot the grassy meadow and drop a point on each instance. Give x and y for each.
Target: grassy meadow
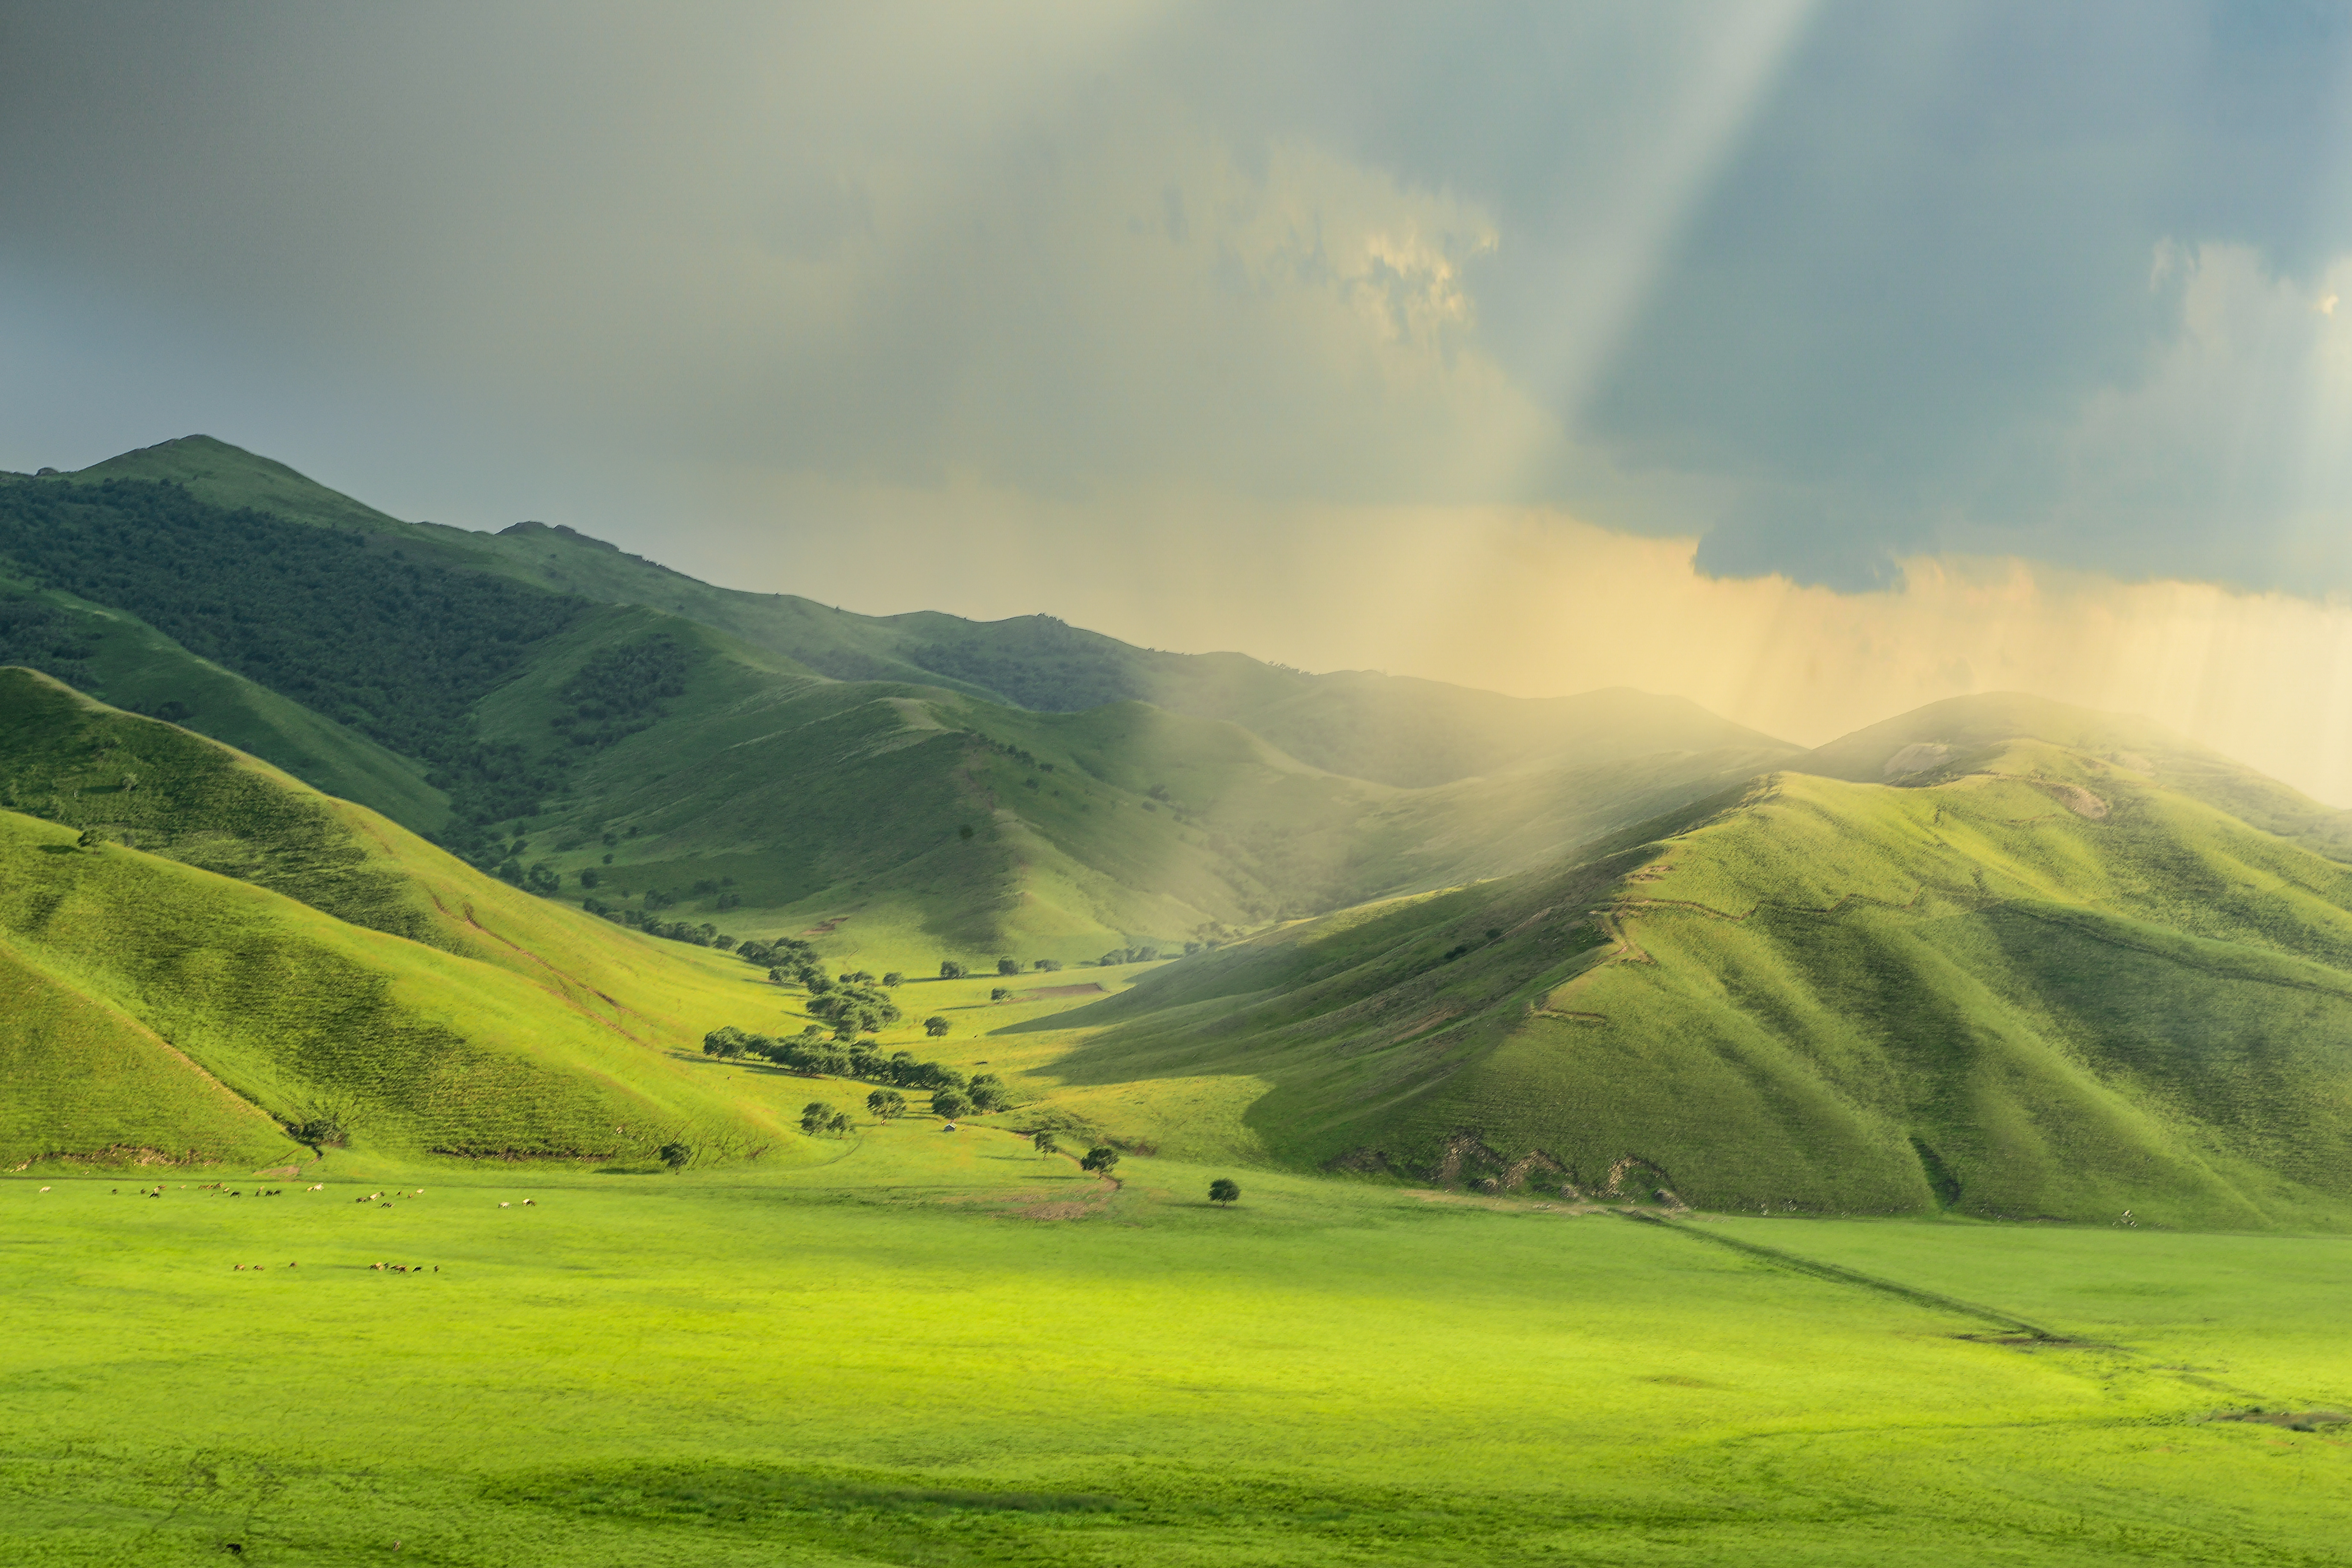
(938, 1348)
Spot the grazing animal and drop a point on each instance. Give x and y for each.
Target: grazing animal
(527, 1203)
(506, 1205)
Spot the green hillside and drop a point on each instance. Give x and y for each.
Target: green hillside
(254, 956)
(1392, 730)
(589, 748)
(2046, 985)
(114, 655)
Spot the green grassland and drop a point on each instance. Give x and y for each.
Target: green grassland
(941, 1349)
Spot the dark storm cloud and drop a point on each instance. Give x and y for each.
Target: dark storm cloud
(1831, 286)
(1939, 244)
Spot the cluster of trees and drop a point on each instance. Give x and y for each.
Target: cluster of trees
(619, 691)
(810, 1052)
(373, 632)
(953, 969)
(819, 1118)
(703, 935)
(1042, 663)
(1128, 956)
(787, 958)
(47, 639)
(854, 1009)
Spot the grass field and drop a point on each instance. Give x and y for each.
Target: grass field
(942, 1349)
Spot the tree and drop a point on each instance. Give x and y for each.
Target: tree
(894, 978)
(987, 1093)
(935, 1026)
(840, 1124)
(817, 1116)
(1008, 966)
(950, 970)
(1225, 1190)
(1000, 993)
(948, 1104)
(89, 839)
(1102, 1159)
(1045, 1141)
(1047, 965)
(675, 1155)
(590, 877)
(886, 1104)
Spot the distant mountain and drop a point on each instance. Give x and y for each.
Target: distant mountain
(1390, 729)
(2042, 975)
(558, 711)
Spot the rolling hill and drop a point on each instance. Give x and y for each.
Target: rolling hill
(232, 958)
(555, 711)
(2032, 982)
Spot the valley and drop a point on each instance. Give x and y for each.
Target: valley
(780, 1059)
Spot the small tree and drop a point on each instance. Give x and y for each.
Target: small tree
(894, 978)
(950, 970)
(840, 1124)
(1046, 1144)
(1008, 966)
(886, 1104)
(935, 1026)
(1102, 1159)
(1225, 1190)
(675, 1155)
(1000, 993)
(817, 1116)
(949, 1103)
(1047, 965)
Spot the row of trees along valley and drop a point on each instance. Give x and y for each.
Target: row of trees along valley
(809, 1052)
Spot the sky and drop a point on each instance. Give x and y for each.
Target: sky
(1813, 361)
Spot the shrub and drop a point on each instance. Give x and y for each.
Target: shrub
(894, 978)
(675, 1155)
(950, 970)
(1225, 1190)
(1045, 1142)
(949, 1103)
(1008, 966)
(935, 1026)
(1102, 1159)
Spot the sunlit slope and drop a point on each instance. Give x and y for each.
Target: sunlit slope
(2046, 987)
(405, 1047)
(83, 1079)
(772, 804)
(254, 916)
(1946, 738)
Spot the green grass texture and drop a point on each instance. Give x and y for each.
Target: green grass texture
(941, 1349)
